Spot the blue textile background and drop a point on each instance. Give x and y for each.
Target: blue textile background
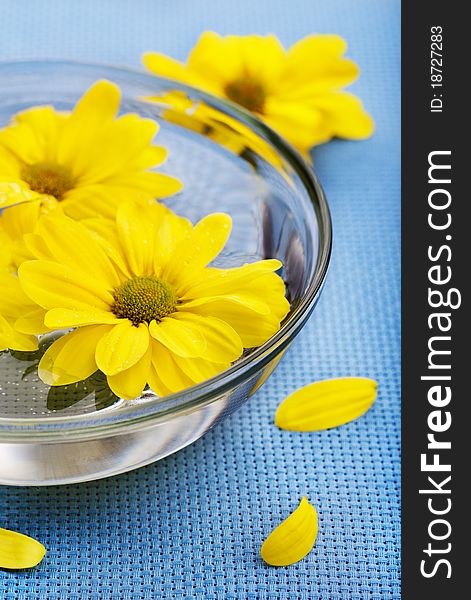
(191, 525)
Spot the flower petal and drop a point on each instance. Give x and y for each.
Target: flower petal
(167, 369)
(165, 66)
(172, 230)
(13, 304)
(223, 344)
(122, 347)
(249, 288)
(72, 244)
(15, 340)
(54, 285)
(249, 302)
(212, 282)
(151, 156)
(13, 301)
(124, 139)
(184, 339)
(19, 551)
(146, 185)
(345, 115)
(215, 60)
(318, 59)
(71, 358)
(33, 135)
(253, 328)
(137, 228)
(97, 107)
(20, 219)
(199, 369)
(32, 322)
(263, 58)
(99, 103)
(293, 539)
(64, 318)
(36, 247)
(202, 245)
(302, 124)
(101, 199)
(156, 384)
(130, 383)
(326, 404)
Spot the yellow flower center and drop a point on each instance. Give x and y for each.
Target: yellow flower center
(143, 299)
(248, 94)
(48, 178)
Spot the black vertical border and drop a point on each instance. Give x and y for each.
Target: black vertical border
(422, 133)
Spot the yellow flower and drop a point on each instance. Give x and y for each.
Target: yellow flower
(293, 539)
(85, 162)
(298, 91)
(19, 551)
(14, 305)
(326, 404)
(146, 307)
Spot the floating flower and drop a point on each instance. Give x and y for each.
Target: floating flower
(144, 305)
(85, 162)
(298, 91)
(14, 306)
(19, 551)
(293, 539)
(326, 404)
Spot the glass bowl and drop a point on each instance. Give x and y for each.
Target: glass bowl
(228, 161)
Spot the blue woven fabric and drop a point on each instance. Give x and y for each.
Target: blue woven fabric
(191, 525)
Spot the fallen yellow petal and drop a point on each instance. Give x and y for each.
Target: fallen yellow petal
(18, 551)
(326, 404)
(293, 539)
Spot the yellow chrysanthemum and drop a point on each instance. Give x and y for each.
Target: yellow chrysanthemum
(145, 306)
(14, 305)
(86, 162)
(298, 91)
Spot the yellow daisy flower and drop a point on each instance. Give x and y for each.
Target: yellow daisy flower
(14, 304)
(85, 162)
(298, 91)
(144, 305)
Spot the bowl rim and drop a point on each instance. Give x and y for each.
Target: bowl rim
(94, 425)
